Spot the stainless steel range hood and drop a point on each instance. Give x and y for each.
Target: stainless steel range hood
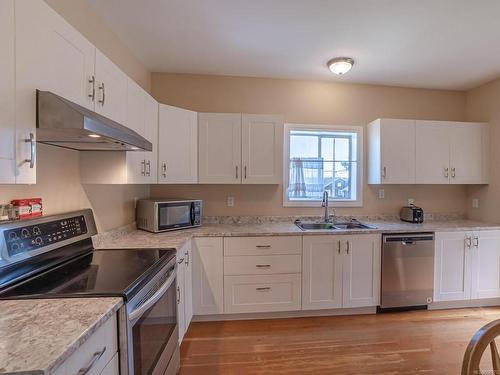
(66, 124)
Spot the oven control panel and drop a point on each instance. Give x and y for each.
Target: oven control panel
(32, 237)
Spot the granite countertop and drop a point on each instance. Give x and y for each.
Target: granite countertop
(129, 237)
(38, 335)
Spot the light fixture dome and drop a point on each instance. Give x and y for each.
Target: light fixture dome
(340, 65)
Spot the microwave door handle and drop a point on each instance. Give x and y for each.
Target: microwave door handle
(192, 213)
(137, 313)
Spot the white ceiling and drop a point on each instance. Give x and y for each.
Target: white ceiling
(452, 44)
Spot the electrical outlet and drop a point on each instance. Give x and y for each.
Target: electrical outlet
(411, 201)
(381, 193)
(230, 201)
(475, 203)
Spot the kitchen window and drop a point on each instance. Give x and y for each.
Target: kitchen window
(322, 158)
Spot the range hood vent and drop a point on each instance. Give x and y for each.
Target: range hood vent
(66, 124)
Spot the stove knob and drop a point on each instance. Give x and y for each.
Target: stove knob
(14, 247)
(36, 231)
(38, 241)
(13, 235)
(25, 233)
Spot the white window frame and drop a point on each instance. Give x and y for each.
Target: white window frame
(360, 163)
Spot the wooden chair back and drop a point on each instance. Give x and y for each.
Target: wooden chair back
(479, 343)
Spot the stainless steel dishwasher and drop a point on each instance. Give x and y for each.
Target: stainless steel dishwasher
(407, 270)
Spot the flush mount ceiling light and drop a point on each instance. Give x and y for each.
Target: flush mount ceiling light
(340, 65)
(94, 136)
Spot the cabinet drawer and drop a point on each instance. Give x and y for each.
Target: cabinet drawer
(104, 337)
(262, 264)
(264, 245)
(262, 293)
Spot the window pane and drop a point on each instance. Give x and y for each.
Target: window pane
(303, 146)
(342, 149)
(322, 160)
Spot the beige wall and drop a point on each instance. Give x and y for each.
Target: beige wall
(82, 16)
(483, 104)
(58, 175)
(309, 102)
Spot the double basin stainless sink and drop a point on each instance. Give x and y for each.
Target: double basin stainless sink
(333, 226)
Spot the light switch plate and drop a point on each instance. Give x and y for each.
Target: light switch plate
(411, 201)
(230, 201)
(381, 193)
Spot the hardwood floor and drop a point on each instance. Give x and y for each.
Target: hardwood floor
(417, 342)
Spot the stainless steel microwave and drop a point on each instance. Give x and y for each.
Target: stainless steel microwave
(160, 215)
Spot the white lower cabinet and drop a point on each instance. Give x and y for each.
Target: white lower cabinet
(184, 289)
(341, 271)
(208, 276)
(97, 356)
(262, 293)
(467, 265)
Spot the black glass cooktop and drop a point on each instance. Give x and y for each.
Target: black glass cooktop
(96, 273)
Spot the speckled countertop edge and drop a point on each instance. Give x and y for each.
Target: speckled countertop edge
(129, 237)
(26, 327)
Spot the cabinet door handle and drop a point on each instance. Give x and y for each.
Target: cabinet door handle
(178, 295)
(95, 358)
(187, 258)
(164, 169)
(148, 164)
(338, 247)
(384, 172)
(446, 172)
(143, 167)
(263, 265)
(263, 246)
(263, 288)
(453, 172)
(245, 172)
(468, 242)
(92, 91)
(103, 97)
(476, 241)
(236, 171)
(32, 142)
(348, 247)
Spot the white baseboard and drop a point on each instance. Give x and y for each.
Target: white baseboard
(285, 314)
(483, 302)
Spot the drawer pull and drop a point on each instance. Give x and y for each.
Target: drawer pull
(263, 265)
(265, 288)
(263, 246)
(95, 358)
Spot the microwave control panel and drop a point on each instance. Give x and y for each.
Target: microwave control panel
(31, 237)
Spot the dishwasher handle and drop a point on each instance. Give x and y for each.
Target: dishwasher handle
(408, 239)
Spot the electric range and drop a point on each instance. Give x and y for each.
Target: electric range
(53, 257)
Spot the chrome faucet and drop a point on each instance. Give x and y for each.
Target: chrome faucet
(324, 204)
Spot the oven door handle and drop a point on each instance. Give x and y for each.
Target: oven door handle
(137, 313)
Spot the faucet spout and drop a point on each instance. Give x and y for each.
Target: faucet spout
(324, 204)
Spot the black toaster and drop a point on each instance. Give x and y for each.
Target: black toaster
(412, 214)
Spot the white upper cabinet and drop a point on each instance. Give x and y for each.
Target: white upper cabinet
(433, 153)
(219, 159)
(452, 152)
(391, 151)
(177, 146)
(262, 149)
(235, 148)
(151, 134)
(7, 93)
(111, 89)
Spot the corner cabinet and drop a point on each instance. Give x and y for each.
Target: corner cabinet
(240, 149)
(427, 152)
(178, 145)
(341, 271)
(467, 265)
